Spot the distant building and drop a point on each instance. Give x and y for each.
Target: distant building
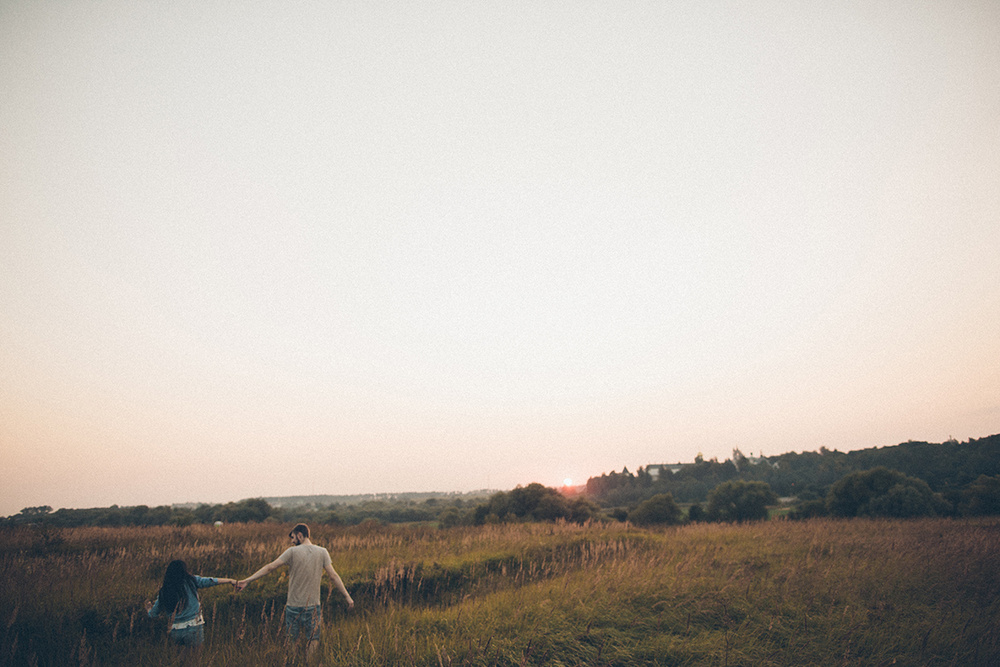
(659, 469)
(758, 460)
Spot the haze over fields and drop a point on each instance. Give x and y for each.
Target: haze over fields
(275, 249)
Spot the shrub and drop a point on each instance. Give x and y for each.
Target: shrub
(450, 518)
(583, 509)
(808, 509)
(881, 492)
(660, 509)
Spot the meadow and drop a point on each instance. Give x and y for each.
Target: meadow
(818, 592)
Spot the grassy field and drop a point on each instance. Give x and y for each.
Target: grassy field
(777, 593)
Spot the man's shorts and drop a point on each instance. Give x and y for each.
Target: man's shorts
(193, 636)
(309, 619)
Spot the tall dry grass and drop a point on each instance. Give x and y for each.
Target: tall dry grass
(779, 593)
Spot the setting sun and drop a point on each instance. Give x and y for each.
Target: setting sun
(567, 482)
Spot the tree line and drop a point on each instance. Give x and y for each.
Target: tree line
(910, 479)
(244, 511)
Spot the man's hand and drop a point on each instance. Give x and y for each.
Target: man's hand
(148, 605)
(240, 585)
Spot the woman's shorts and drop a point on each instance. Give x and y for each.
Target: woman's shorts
(193, 636)
(309, 619)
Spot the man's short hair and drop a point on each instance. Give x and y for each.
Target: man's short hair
(302, 529)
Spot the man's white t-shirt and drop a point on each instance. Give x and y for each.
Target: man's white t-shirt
(306, 563)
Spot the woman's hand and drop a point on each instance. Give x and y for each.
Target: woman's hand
(149, 605)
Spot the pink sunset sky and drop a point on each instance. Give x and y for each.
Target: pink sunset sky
(283, 248)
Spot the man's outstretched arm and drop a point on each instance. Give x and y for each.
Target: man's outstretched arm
(262, 572)
(339, 584)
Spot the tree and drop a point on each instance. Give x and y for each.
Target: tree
(41, 510)
(903, 501)
(182, 517)
(883, 492)
(740, 501)
(660, 509)
(982, 497)
(524, 500)
(251, 509)
(582, 510)
(535, 502)
(550, 507)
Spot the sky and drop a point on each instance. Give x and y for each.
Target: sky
(282, 248)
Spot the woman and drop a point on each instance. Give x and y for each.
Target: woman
(179, 597)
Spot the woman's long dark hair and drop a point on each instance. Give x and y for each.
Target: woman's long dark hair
(176, 579)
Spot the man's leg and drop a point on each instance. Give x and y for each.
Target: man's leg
(315, 625)
(291, 625)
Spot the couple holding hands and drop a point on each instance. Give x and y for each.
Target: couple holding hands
(306, 561)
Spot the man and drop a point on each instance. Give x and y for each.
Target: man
(306, 563)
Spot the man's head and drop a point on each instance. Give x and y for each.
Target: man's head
(299, 532)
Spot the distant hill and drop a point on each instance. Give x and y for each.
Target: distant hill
(357, 499)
